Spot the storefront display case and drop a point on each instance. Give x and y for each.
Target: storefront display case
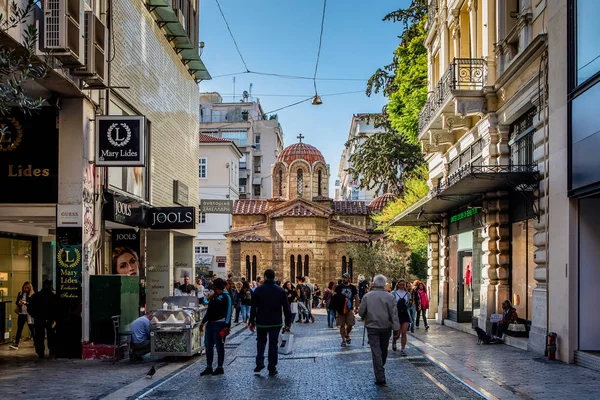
(175, 331)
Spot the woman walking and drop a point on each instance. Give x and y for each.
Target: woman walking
(23, 299)
(412, 307)
(246, 298)
(327, 296)
(292, 297)
(237, 303)
(316, 296)
(422, 305)
(402, 298)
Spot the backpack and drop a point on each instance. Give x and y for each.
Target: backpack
(248, 295)
(402, 306)
(306, 292)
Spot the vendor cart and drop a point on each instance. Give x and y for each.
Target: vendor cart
(175, 331)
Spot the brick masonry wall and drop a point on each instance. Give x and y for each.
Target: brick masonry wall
(162, 89)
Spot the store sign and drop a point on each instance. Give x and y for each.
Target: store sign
(123, 210)
(180, 193)
(68, 263)
(171, 218)
(221, 261)
(216, 206)
(29, 157)
(68, 215)
(120, 140)
(463, 215)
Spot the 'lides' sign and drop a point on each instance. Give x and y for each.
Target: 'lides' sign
(171, 218)
(121, 140)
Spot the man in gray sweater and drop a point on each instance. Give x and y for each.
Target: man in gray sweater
(378, 310)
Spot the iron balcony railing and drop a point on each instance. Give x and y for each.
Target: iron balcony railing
(462, 74)
(432, 12)
(472, 169)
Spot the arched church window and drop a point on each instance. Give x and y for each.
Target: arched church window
(292, 269)
(254, 268)
(344, 265)
(306, 272)
(320, 181)
(248, 269)
(299, 265)
(351, 270)
(299, 182)
(280, 183)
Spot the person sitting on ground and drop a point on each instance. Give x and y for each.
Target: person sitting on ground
(141, 335)
(509, 316)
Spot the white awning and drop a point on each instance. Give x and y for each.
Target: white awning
(256, 181)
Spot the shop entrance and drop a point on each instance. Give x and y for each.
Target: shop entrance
(589, 275)
(16, 257)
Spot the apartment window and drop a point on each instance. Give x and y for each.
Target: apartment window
(211, 133)
(256, 190)
(202, 168)
(257, 142)
(521, 139)
(238, 137)
(243, 161)
(201, 249)
(587, 51)
(202, 218)
(256, 162)
(354, 195)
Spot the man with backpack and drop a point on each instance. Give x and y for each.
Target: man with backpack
(402, 298)
(346, 308)
(305, 290)
(378, 309)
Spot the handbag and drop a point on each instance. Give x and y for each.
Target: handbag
(17, 310)
(286, 343)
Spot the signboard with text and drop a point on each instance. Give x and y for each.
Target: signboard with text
(29, 157)
(171, 218)
(216, 206)
(180, 193)
(121, 140)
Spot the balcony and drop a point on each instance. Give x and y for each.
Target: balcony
(459, 92)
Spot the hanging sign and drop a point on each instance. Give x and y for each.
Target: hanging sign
(180, 193)
(216, 206)
(120, 140)
(463, 215)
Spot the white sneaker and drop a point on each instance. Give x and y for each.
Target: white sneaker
(403, 353)
(12, 346)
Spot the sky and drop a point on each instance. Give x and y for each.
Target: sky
(282, 36)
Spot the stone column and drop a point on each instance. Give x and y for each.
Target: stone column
(443, 272)
(456, 41)
(433, 273)
(472, 8)
(488, 37)
(537, 335)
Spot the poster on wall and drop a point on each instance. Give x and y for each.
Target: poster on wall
(159, 286)
(29, 157)
(126, 255)
(121, 140)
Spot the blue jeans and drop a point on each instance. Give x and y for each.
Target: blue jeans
(245, 313)
(330, 317)
(413, 312)
(261, 344)
(212, 339)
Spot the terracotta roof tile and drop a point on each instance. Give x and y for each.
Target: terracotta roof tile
(299, 210)
(348, 238)
(250, 237)
(380, 202)
(350, 207)
(250, 207)
(301, 151)
(212, 139)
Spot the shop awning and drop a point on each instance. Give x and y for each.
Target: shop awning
(465, 186)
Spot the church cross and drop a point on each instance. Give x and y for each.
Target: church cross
(300, 137)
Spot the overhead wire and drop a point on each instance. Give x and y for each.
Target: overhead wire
(285, 76)
(320, 44)
(297, 95)
(232, 37)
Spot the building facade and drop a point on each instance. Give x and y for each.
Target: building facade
(76, 216)
(218, 180)
(259, 137)
(347, 188)
(483, 130)
(299, 231)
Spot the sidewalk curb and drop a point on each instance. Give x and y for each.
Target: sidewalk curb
(471, 378)
(142, 387)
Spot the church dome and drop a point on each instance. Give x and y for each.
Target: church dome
(300, 151)
(379, 203)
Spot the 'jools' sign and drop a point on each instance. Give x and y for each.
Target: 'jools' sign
(172, 218)
(121, 140)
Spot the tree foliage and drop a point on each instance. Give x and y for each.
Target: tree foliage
(379, 257)
(383, 159)
(417, 263)
(19, 65)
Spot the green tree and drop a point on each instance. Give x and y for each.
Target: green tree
(384, 158)
(417, 263)
(381, 257)
(18, 65)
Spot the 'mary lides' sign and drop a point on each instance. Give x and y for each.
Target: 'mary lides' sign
(121, 140)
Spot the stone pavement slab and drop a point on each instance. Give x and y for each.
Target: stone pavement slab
(503, 371)
(317, 368)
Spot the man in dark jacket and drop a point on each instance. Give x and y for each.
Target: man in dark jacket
(43, 308)
(269, 302)
(218, 322)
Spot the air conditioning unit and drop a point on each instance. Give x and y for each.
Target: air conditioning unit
(63, 31)
(95, 68)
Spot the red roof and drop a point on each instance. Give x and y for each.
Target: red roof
(250, 207)
(300, 151)
(348, 238)
(212, 139)
(299, 210)
(250, 237)
(380, 202)
(350, 207)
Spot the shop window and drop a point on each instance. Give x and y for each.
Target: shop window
(523, 265)
(586, 39)
(202, 172)
(452, 271)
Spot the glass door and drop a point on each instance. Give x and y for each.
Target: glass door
(465, 286)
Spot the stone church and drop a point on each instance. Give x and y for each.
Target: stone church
(299, 231)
